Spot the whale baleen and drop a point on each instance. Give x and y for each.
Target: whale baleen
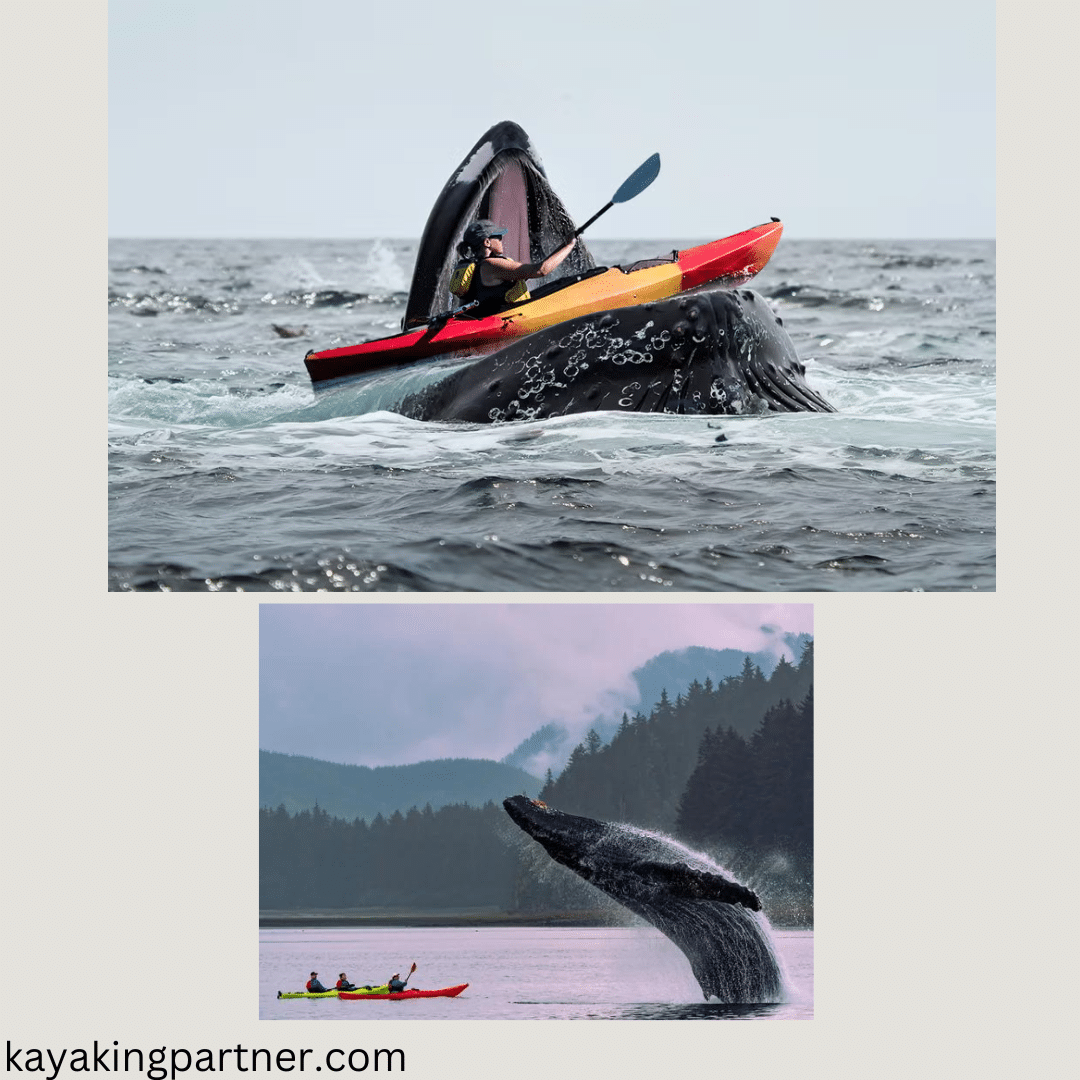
(716, 921)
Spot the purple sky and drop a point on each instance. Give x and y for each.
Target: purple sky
(390, 684)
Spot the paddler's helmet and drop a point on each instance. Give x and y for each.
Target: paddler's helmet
(479, 231)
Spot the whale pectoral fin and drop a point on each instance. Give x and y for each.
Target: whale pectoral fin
(698, 885)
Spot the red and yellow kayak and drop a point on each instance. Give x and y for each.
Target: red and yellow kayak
(724, 263)
(382, 992)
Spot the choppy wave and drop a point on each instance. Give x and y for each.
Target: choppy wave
(227, 472)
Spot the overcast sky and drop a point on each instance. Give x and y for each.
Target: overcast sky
(344, 118)
(391, 684)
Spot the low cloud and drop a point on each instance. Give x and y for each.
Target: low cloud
(380, 684)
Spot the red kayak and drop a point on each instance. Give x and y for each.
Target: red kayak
(362, 995)
(723, 263)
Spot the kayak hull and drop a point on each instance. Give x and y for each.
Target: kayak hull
(364, 995)
(729, 262)
(308, 994)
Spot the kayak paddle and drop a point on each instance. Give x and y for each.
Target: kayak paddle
(632, 186)
(437, 322)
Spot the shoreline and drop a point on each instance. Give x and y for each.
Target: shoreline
(300, 920)
(324, 919)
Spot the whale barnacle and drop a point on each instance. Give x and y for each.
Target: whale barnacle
(712, 352)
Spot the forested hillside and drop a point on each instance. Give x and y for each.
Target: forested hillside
(351, 791)
(674, 671)
(450, 858)
(639, 777)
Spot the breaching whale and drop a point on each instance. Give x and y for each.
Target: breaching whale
(714, 920)
(720, 351)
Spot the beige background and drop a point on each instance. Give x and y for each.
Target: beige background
(945, 765)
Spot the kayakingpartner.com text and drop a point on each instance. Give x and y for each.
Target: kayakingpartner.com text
(163, 1063)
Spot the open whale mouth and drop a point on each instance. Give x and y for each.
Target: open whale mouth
(503, 179)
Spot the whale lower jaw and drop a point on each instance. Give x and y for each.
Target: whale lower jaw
(715, 921)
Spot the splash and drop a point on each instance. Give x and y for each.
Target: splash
(383, 271)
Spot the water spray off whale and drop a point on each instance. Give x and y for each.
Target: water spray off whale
(714, 920)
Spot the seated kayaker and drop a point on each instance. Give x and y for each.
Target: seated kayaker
(395, 985)
(313, 985)
(491, 278)
(343, 982)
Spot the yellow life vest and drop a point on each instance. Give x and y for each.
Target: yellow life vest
(462, 278)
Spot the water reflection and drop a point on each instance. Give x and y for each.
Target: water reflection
(650, 1011)
(704, 1011)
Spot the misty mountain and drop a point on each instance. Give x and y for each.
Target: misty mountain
(351, 791)
(673, 671)
(545, 742)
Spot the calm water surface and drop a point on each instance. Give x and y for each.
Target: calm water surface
(515, 973)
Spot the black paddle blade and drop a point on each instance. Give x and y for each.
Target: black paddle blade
(638, 180)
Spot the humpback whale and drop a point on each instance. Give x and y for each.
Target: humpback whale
(719, 351)
(713, 919)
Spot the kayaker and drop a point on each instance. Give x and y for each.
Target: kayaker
(493, 279)
(313, 985)
(395, 984)
(343, 982)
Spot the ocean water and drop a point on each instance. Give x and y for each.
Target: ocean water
(515, 973)
(226, 471)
